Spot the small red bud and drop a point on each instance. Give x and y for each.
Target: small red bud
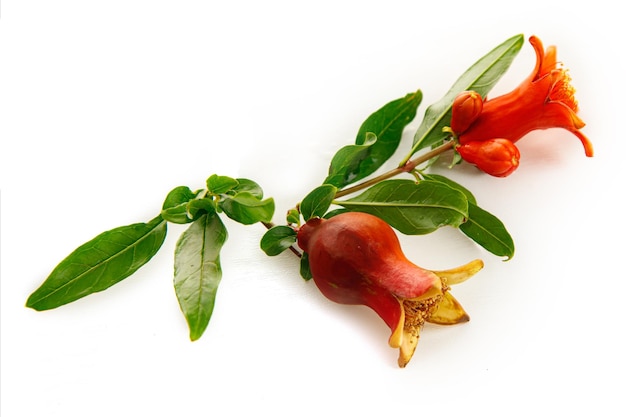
(497, 157)
(466, 107)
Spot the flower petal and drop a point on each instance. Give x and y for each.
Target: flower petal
(462, 273)
(407, 348)
(449, 311)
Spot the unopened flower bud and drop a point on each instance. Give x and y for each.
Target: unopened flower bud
(497, 157)
(466, 107)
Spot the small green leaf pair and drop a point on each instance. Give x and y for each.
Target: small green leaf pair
(118, 253)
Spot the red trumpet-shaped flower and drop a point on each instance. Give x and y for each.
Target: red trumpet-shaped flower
(355, 258)
(544, 100)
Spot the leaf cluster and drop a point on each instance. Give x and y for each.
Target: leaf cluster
(116, 254)
(415, 206)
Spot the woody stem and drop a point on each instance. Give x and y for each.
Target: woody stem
(407, 167)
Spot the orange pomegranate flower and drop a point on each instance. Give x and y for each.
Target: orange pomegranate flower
(544, 100)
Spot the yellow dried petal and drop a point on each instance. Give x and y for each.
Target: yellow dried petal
(448, 311)
(462, 273)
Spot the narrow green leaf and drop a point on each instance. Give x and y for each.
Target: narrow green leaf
(412, 208)
(245, 208)
(480, 77)
(198, 272)
(377, 140)
(278, 239)
(317, 201)
(175, 205)
(220, 184)
(488, 231)
(98, 264)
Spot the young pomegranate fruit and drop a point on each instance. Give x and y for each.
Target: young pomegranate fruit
(355, 258)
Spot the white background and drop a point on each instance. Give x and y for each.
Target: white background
(107, 105)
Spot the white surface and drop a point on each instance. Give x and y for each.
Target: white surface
(106, 106)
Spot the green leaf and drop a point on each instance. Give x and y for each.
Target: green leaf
(317, 201)
(276, 240)
(488, 231)
(480, 77)
(201, 206)
(348, 161)
(377, 140)
(246, 185)
(412, 208)
(453, 184)
(481, 226)
(175, 205)
(197, 271)
(293, 216)
(305, 268)
(220, 184)
(178, 196)
(245, 208)
(98, 264)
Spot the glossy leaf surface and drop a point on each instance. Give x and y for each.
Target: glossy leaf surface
(100, 263)
(276, 240)
(412, 208)
(220, 184)
(317, 202)
(377, 140)
(481, 226)
(247, 185)
(480, 77)
(197, 271)
(488, 231)
(175, 205)
(451, 183)
(305, 268)
(246, 208)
